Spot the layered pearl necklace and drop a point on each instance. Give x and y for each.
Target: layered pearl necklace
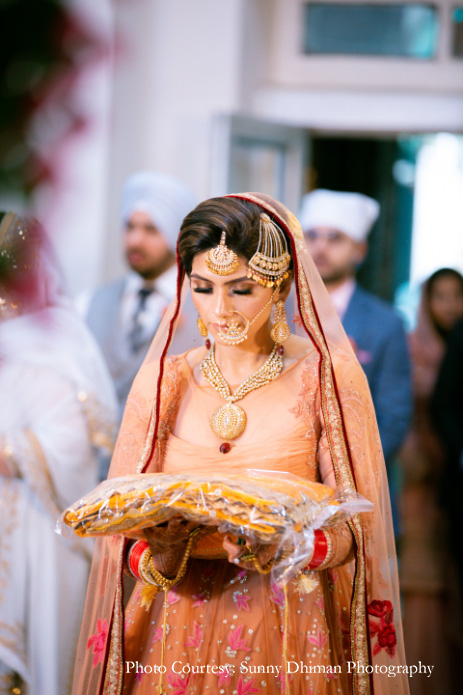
(228, 421)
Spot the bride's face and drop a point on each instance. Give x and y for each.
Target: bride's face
(219, 298)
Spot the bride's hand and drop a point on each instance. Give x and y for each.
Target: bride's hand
(235, 551)
(168, 543)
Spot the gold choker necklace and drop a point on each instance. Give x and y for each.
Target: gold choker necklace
(228, 421)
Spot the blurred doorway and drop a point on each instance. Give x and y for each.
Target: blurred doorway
(256, 155)
(417, 179)
(383, 169)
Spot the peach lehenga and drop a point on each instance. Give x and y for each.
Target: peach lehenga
(226, 617)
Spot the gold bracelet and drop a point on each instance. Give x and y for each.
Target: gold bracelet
(151, 575)
(250, 557)
(143, 566)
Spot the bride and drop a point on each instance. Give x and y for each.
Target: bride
(257, 397)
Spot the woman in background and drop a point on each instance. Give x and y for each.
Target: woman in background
(57, 409)
(424, 560)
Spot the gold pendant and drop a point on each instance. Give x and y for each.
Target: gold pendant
(228, 421)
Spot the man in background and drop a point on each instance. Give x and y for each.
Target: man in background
(125, 314)
(336, 226)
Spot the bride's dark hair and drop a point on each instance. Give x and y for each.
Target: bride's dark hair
(202, 228)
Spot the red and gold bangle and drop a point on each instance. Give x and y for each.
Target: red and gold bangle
(320, 550)
(135, 553)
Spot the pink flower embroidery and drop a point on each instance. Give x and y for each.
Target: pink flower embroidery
(97, 642)
(157, 635)
(381, 609)
(194, 640)
(246, 688)
(318, 640)
(381, 624)
(241, 574)
(172, 597)
(283, 678)
(332, 676)
(241, 601)
(235, 641)
(178, 684)
(224, 677)
(200, 599)
(139, 675)
(386, 640)
(277, 595)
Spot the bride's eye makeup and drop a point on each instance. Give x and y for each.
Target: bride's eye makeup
(242, 291)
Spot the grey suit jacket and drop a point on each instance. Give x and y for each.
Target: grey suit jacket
(104, 320)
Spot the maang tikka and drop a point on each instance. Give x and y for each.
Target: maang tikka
(269, 266)
(221, 260)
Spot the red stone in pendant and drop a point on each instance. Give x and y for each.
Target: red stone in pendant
(225, 448)
(208, 344)
(280, 350)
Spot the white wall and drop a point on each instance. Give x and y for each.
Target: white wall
(351, 111)
(179, 65)
(72, 207)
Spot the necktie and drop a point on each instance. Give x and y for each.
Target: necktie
(136, 335)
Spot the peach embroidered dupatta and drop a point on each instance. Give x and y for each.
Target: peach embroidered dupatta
(371, 596)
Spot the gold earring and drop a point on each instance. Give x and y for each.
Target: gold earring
(201, 327)
(280, 330)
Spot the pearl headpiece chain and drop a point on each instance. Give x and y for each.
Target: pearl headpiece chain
(269, 266)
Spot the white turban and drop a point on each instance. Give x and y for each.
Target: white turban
(353, 214)
(165, 199)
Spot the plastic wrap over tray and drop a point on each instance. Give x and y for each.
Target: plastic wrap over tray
(266, 507)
